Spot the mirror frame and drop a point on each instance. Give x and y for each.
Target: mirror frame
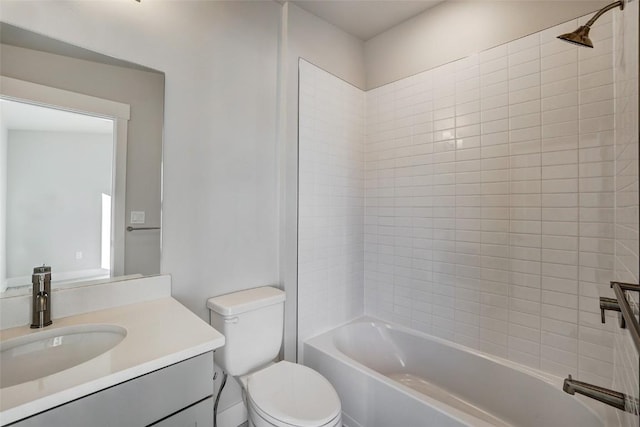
(50, 97)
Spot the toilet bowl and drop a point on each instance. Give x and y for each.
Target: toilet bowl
(287, 394)
(281, 394)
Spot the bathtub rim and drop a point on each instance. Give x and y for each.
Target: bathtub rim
(324, 342)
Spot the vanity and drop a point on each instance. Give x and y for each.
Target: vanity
(148, 362)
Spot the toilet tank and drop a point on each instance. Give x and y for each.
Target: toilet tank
(252, 322)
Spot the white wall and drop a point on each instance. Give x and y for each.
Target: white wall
(55, 182)
(220, 188)
(309, 37)
(457, 29)
(626, 375)
(3, 207)
(331, 203)
(219, 207)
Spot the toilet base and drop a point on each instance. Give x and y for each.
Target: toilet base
(260, 422)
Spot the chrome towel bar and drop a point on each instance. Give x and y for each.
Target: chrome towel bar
(130, 228)
(627, 312)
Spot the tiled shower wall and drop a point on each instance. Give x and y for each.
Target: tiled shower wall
(489, 195)
(489, 201)
(626, 370)
(331, 202)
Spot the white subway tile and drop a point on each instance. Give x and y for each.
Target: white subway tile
(562, 357)
(563, 314)
(468, 119)
(560, 186)
(493, 54)
(560, 101)
(524, 95)
(488, 103)
(507, 216)
(559, 327)
(529, 107)
(597, 154)
(558, 130)
(569, 114)
(467, 107)
(560, 171)
(596, 109)
(560, 242)
(525, 173)
(525, 69)
(559, 73)
(593, 80)
(525, 147)
(564, 157)
(597, 124)
(559, 59)
(494, 114)
(523, 43)
(599, 93)
(526, 121)
(521, 56)
(560, 87)
(559, 228)
(490, 127)
(596, 63)
(494, 65)
(494, 78)
(498, 138)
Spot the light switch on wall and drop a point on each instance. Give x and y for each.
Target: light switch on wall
(137, 217)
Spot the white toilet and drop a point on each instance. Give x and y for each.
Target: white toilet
(279, 394)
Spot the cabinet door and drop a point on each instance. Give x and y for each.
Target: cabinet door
(138, 402)
(198, 415)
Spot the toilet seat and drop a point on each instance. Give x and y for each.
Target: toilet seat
(287, 394)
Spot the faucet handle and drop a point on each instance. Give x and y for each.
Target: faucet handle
(43, 269)
(611, 304)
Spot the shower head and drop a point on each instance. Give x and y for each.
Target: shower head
(580, 36)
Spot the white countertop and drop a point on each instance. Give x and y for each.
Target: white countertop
(159, 333)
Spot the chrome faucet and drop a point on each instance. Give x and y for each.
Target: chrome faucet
(611, 304)
(40, 300)
(610, 397)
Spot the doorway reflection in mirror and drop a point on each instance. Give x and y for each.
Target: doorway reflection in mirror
(55, 205)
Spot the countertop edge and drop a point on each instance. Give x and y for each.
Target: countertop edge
(37, 406)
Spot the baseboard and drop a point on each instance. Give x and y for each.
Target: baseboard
(233, 416)
(347, 421)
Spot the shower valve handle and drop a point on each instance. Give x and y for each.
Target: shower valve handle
(611, 304)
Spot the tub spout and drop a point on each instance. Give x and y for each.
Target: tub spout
(610, 397)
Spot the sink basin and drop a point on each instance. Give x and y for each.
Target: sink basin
(44, 353)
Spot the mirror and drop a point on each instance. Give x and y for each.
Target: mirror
(76, 174)
(57, 203)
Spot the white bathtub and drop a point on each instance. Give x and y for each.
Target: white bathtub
(390, 376)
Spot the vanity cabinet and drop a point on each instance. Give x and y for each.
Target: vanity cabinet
(179, 395)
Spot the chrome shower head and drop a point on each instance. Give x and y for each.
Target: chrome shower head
(580, 36)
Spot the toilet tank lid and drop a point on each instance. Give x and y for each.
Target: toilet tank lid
(247, 300)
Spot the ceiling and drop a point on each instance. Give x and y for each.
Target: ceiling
(21, 116)
(362, 18)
